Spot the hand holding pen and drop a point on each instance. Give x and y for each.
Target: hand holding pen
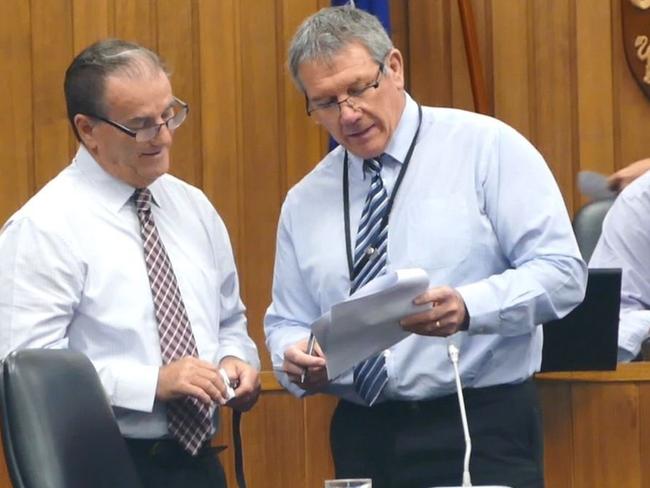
(304, 364)
(310, 352)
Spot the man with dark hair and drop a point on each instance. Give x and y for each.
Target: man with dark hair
(466, 198)
(119, 260)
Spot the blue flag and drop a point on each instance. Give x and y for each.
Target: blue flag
(379, 8)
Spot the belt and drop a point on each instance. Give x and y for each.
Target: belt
(471, 395)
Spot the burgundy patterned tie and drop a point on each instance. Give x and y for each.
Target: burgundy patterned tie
(189, 420)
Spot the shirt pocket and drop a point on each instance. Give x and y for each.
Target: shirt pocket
(437, 232)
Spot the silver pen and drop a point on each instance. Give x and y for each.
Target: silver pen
(310, 350)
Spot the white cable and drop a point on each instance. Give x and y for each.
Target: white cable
(453, 352)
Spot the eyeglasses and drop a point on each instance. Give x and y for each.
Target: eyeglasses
(353, 100)
(178, 109)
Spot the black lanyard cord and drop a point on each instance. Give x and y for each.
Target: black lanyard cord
(389, 206)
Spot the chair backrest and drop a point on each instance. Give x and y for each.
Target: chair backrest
(58, 428)
(588, 224)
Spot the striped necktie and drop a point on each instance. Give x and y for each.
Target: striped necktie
(189, 420)
(370, 254)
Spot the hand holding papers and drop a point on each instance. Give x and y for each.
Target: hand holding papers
(368, 321)
(594, 185)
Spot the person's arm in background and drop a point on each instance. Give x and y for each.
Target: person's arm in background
(625, 243)
(620, 179)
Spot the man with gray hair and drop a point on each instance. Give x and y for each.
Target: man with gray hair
(132, 267)
(460, 195)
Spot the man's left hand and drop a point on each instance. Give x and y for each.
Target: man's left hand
(245, 380)
(447, 315)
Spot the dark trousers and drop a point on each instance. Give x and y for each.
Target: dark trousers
(421, 444)
(164, 464)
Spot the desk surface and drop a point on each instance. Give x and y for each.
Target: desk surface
(639, 372)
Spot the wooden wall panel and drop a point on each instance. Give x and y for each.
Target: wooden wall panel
(554, 121)
(303, 138)
(644, 433)
(608, 421)
(511, 78)
(595, 86)
(178, 45)
(261, 161)
(280, 420)
(52, 51)
(220, 114)
(91, 20)
(318, 411)
(16, 140)
(558, 425)
(555, 70)
(429, 66)
(135, 20)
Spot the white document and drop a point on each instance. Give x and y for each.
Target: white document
(594, 185)
(368, 321)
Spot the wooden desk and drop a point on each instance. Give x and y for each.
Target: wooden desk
(596, 430)
(597, 427)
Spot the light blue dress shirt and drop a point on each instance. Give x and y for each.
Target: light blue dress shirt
(625, 243)
(479, 210)
(72, 274)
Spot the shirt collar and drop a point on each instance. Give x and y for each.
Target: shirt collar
(113, 192)
(398, 145)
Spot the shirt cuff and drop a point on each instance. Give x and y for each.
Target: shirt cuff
(135, 386)
(484, 319)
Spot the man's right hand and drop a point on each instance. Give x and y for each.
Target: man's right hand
(296, 361)
(190, 376)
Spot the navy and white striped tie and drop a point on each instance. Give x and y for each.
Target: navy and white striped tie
(370, 254)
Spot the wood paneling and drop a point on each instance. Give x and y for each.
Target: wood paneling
(16, 137)
(51, 53)
(596, 428)
(555, 70)
(220, 89)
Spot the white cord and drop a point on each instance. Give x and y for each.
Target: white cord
(453, 351)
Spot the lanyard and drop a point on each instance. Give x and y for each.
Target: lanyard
(389, 206)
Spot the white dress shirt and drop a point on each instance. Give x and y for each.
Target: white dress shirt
(72, 274)
(625, 243)
(479, 210)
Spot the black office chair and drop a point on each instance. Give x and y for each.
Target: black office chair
(588, 224)
(58, 428)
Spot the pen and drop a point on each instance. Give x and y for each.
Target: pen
(310, 350)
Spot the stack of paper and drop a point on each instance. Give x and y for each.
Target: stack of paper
(368, 321)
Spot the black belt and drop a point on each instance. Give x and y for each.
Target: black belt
(471, 395)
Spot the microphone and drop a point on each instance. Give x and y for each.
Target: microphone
(454, 354)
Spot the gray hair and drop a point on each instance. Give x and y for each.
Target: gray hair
(325, 33)
(86, 76)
